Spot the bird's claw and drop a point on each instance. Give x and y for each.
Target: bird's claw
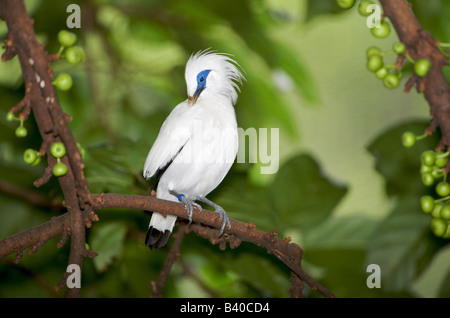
(189, 205)
(224, 216)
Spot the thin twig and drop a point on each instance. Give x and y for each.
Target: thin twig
(172, 257)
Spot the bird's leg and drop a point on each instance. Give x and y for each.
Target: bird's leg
(218, 209)
(188, 204)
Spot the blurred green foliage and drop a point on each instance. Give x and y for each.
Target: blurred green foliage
(133, 76)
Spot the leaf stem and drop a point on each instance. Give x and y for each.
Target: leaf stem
(421, 136)
(409, 58)
(442, 199)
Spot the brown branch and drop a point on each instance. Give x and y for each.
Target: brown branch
(420, 45)
(287, 252)
(18, 242)
(50, 118)
(296, 288)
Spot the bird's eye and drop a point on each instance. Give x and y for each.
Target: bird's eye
(201, 77)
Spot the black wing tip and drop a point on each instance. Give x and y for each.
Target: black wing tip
(156, 239)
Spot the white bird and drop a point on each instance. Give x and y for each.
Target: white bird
(197, 143)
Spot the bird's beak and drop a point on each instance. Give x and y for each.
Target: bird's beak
(193, 99)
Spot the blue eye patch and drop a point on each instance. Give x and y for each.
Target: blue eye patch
(201, 78)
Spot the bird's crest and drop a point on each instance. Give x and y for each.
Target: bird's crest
(227, 68)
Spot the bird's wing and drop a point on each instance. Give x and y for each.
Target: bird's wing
(174, 134)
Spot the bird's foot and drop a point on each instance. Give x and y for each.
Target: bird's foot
(224, 216)
(188, 204)
(220, 210)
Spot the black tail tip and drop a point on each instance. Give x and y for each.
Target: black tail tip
(156, 239)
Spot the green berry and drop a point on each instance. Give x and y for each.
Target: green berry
(408, 139)
(398, 48)
(427, 204)
(363, 8)
(60, 169)
(374, 50)
(436, 213)
(436, 173)
(30, 156)
(75, 54)
(447, 232)
(445, 212)
(21, 132)
(428, 158)
(345, 4)
(10, 116)
(63, 81)
(66, 38)
(381, 73)
(58, 150)
(426, 169)
(443, 189)
(382, 31)
(441, 161)
(374, 63)
(421, 67)
(391, 81)
(427, 179)
(38, 159)
(439, 227)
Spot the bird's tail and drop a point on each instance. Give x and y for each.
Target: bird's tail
(159, 230)
(160, 227)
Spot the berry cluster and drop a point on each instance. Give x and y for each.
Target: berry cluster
(365, 9)
(58, 151)
(391, 75)
(21, 131)
(32, 157)
(73, 54)
(432, 169)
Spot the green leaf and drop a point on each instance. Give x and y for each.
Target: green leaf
(302, 196)
(318, 8)
(400, 166)
(10, 72)
(107, 240)
(434, 280)
(260, 273)
(342, 269)
(22, 216)
(245, 201)
(341, 232)
(433, 16)
(401, 245)
(445, 287)
(114, 168)
(296, 67)
(267, 107)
